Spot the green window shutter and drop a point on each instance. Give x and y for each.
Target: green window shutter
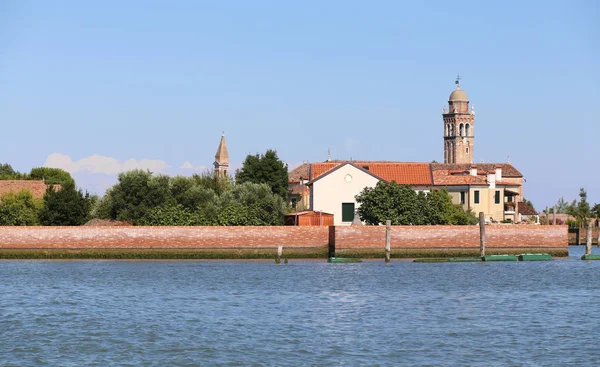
(476, 196)
(497, 197)
(462, 197)
(347, 212)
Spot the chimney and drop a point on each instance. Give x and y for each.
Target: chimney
(498, 173)
(491, 178)
(473, 170)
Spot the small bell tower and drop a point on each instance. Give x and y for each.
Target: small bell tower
(459, 134)
(221, 158)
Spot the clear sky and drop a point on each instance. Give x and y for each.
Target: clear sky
(98, 87)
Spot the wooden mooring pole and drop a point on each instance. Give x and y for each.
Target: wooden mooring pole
(482, 234)
(588, 238)
(388, 240)
(279, 253)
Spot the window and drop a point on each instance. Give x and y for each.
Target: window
(461, 130)
(347, 212)
(476, 198)
(497, 197)
(462, 197)
(468, 129)
(294, 203)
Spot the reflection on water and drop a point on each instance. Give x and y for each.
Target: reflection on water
(73, 313)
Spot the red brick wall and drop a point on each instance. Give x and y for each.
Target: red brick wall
(497, 236)
(361, 237)
(163, 237)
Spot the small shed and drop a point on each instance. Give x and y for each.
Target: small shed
(309, 218)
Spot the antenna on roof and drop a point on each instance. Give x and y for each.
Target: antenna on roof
(328, 155)
(508, 159)
(457, 82)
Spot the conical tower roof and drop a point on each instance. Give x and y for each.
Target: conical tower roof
(222, 156)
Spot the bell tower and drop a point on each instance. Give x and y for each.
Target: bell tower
(459, 134)
(221, 158)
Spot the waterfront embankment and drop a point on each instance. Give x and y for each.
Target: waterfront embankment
(262, 242)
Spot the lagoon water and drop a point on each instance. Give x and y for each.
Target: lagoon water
(239, 313)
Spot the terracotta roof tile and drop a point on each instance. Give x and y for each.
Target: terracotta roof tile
(508, 170)
(302, 171)
(404, 173)
(443, 178)
(526, 209)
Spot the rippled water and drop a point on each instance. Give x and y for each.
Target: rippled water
(238, 313)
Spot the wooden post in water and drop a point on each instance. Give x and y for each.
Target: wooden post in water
(578, 236)
(554, 215)
(279, 253)
(388, 239)
(482, 235)
(588, 238)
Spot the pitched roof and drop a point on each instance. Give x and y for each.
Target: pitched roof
(222, 156)
(526, 209)
(302, 171)
(450, 178)
(36, 187)
(404, 173)
(508, 170)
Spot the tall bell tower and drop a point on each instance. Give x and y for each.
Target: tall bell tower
(459, 134)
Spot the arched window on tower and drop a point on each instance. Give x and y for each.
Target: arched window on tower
(461, 130)
(447, 129)
(468, 130)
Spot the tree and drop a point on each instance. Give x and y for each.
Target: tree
(168, 215)
(265, 168)
(561, 206)
(8, 173)
(581, 210)
(18, 209)
(52, 176)
(403, 206)
(65, 207)
(135, 193)
(251, 204)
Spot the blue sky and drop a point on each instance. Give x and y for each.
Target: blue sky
(104, 86)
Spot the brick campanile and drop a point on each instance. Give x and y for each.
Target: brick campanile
(459, 134)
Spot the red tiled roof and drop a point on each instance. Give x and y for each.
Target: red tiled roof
(36, 187)
(526, 209)
(448, 178)
(404, 173)
(302, 171)
(508, 170)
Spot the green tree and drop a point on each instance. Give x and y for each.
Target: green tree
(66, 206)
(135, 193)
(168, 215)
(253, 204)
(581, 210)
(8, 173)
(52, 176)
(596, 211)
(265, 168)
(18, 209)
(403, 206)
(210, 180)
(561, 206)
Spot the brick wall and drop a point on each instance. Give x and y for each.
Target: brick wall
(162, 237)
(365, 238)
(497, 236)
